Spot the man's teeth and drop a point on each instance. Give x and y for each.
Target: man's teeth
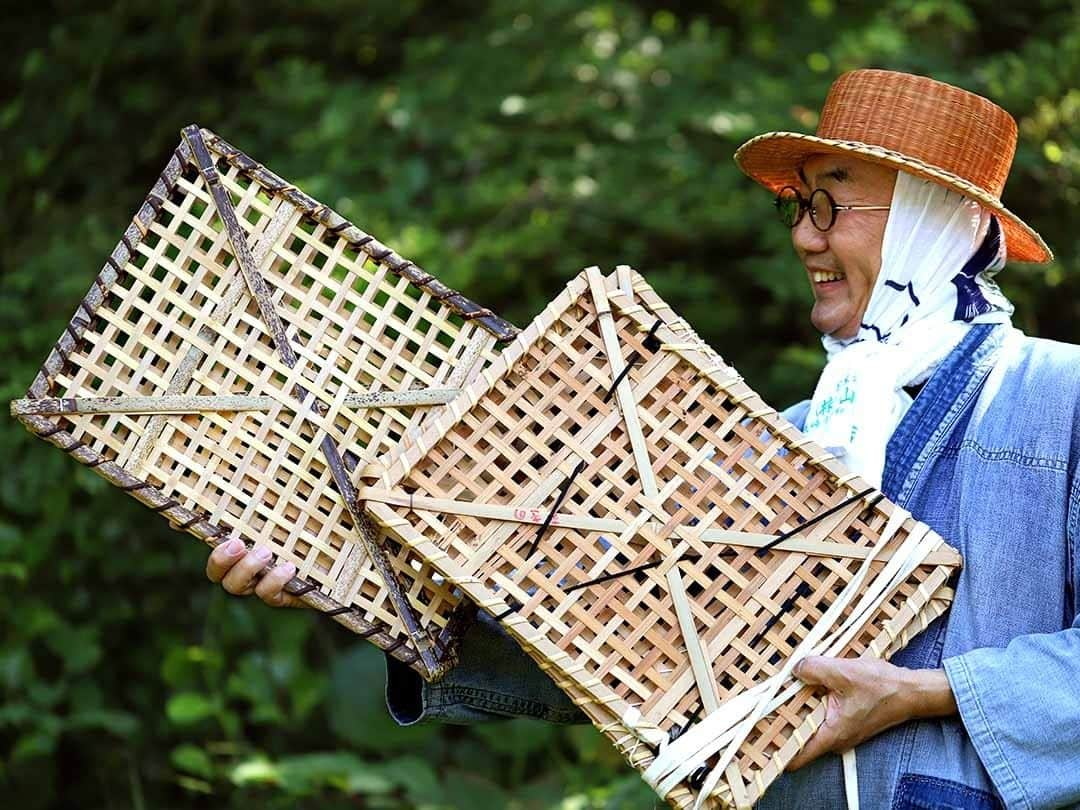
(820, 276)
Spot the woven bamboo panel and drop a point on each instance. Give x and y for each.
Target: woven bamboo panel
(242, 356)
(659, 539)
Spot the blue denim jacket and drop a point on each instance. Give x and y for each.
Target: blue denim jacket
(987, 455)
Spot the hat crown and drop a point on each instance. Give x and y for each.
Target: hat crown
(941, 125)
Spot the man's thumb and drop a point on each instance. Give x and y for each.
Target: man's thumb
(817, 669)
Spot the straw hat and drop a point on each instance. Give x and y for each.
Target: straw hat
(927, 128)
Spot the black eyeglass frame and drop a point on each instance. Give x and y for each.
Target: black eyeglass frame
(807, 204)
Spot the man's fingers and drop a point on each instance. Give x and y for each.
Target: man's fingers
(808, 754)
(242, 572)
(819, 743)
(240, 578)
(223, 558)
(823, 740)
(271, 587)
(814, 749)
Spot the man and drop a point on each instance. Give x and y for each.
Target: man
(895, 213)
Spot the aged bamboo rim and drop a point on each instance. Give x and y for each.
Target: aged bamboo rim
(927, 128)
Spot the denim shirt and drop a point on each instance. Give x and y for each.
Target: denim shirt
(987, 456)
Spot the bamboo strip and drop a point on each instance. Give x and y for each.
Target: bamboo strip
(703, 675)
(183, 404)
(627, 403)
(535, 516)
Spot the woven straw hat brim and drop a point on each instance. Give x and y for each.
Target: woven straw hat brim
(773, 160)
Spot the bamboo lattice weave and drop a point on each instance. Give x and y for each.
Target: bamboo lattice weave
(220, 372)
(658, 539)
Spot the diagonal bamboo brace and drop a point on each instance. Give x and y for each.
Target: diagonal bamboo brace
(260, 291)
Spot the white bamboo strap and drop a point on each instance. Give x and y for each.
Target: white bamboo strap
(896, 571)
(737, 717)
(639, 447)
(699, 663)
(851, 779)
(623, 393)
(739, 724)
(470, 361)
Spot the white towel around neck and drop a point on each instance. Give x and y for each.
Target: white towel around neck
(939, 253)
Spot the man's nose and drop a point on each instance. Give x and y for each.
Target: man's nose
(807, 238)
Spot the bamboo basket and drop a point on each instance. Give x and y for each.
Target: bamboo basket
(659, 539)
(242, 357)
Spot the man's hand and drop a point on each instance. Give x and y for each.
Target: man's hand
(865, 697)
(243, 573)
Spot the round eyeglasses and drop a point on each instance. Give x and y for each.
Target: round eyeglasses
(791, 205)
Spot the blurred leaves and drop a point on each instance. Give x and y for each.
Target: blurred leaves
(502, 146)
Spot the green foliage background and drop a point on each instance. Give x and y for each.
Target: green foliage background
(502, 146)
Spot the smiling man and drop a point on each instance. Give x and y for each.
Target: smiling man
(929, 392)
(895, 213)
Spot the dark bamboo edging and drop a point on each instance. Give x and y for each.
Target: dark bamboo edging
(502, 329)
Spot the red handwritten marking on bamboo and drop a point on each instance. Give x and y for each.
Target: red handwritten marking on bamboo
(534, 516)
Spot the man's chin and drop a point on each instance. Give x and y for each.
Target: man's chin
(834, 324)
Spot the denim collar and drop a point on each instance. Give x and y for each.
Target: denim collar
(932, 416)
